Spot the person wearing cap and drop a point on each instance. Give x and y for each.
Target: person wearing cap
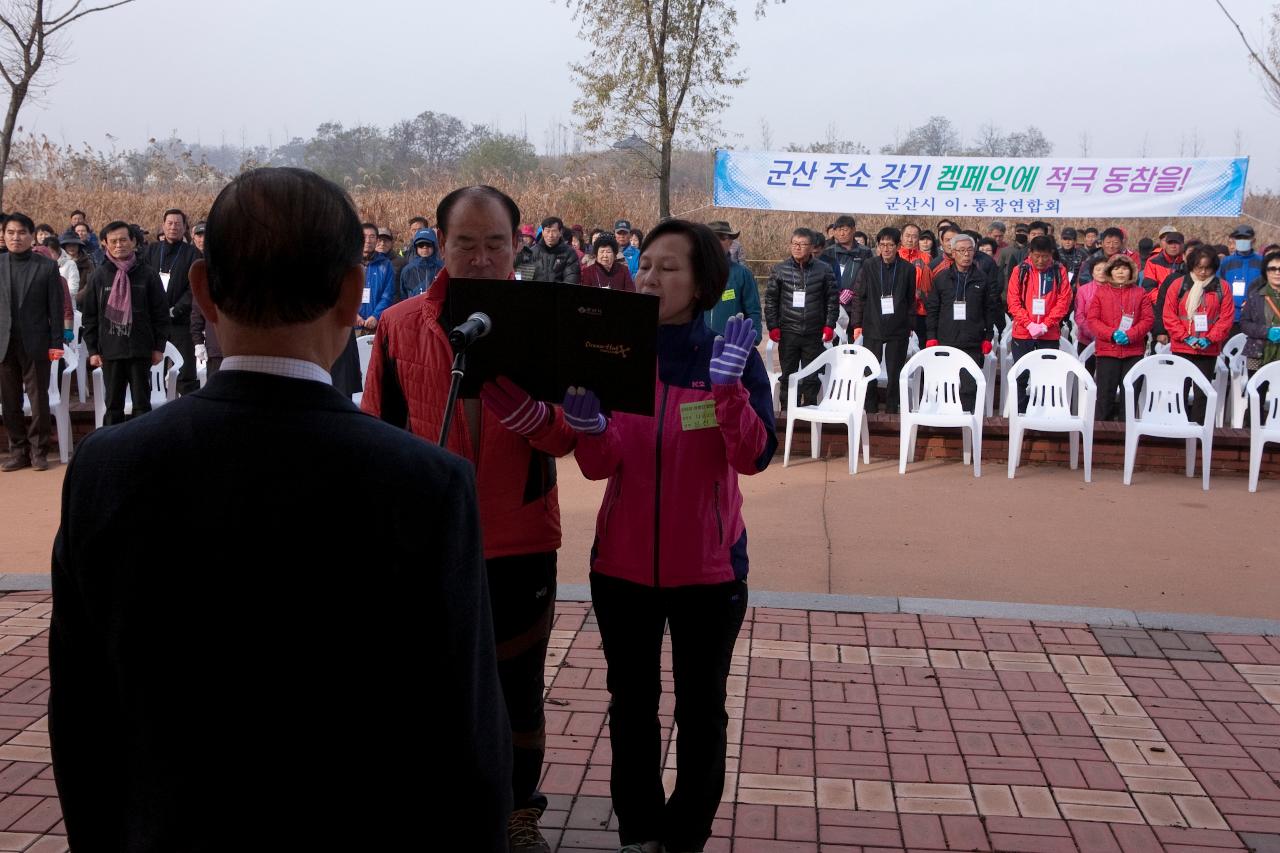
(961, 310)
(422, 269)
(801, 306)
(1242, 269)
(1166, 262)
(203, 333)
(524, 253)
(74, 249)
(1070, 253)
(555, 260)
(379, 282)
(844, 255)
(741, 295)
(630, 253)
(386, 242)
(197, 236)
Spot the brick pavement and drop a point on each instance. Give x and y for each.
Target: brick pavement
(874, 732)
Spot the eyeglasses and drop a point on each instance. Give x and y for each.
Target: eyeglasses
(963, 250)
(799, 245)
(1273, 269)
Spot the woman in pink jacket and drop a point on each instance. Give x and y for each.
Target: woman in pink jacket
(671, 548)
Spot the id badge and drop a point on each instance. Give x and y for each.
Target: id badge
(886, 304)
(1037, 306)
(1126, 322)
(364, 300)
(1202, 322)
(960, 311)
(797, 299)
(164, 281)
(1237, 288)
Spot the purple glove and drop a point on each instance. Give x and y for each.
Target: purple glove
(582, 411)
(517, 411)
(729, 353)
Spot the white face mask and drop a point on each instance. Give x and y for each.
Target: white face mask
(1243, 246)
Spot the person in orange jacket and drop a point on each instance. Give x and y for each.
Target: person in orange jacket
(1198, 313)
(910, 251)
(1039, 298)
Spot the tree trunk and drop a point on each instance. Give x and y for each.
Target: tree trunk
(664, 180)
(16, 97)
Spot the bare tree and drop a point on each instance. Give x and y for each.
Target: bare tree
(766, 135)
(28, 40)
(1238, 141)
(1269, 66)
(1084, 143)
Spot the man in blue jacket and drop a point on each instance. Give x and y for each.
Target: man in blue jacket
(1242, 267)
(418, 273)
(741, 296)
(379, 281)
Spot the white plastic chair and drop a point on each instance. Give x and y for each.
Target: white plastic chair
(1054, 380)
(939, 406)
(989, 366)
(82, 359)
(59, 402)
(164, 386)
(849, 371)
(772, 368)
(1163, 409)
(1237, 401)
(364, 349)
(1005, 354)
(1259, 434)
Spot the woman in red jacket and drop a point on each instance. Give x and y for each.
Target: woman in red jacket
(671, 547)
(1120, 316)
(1198, 313)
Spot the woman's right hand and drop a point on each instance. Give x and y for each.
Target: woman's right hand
(582, 411)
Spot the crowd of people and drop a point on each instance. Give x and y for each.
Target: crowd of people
(273, 308)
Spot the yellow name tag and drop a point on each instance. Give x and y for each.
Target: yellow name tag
(729, 294)
(699, 415)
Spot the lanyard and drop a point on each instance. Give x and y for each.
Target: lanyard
(962, 281)
(893, 268)
(165, 251)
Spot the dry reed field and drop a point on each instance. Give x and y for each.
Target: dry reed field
(589, 199)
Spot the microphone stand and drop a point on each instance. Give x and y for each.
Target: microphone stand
(458, 370)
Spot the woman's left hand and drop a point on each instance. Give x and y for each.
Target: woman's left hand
(729, 353)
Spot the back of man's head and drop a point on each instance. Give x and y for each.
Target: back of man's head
(278, 243)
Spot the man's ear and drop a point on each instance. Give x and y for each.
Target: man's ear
(350, 295)
(198, 277)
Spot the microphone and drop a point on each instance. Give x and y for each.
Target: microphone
(476, 327)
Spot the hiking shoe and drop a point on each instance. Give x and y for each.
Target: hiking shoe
(523, 834)
(17, 461)
(40, 462)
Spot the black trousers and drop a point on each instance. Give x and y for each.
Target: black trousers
(792, 351)
(1109, 372)
(180, 335)
(1206, 364)
(119, 374)
(968, 387)
(893, 357)
(1020, 348)
(704, 622)
(19, 371)
(522, 594)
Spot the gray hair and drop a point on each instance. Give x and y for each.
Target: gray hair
(963, 238)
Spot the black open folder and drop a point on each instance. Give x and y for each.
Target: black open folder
(547, 337)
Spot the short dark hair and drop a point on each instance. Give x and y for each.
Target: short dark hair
(636, 232)
(706, 256)
(929, 235)
(421, 219)
(77, 212)
(1039, 225)
(1273, 255)
(805, 233)
(116, 226)
(857, 234)
(987, 241)
(1090, 230)
(606, 241)
(845, 221)
(1113, 232)
(1199, 253)
(969, 232)
(1041, 243)
(51, 243)
(44, 226)
(889, 233)
(552, 220)
(368, 226)
(446, 205)
(23, 220)
(280, 242)
(1094, 260)
(174, 211)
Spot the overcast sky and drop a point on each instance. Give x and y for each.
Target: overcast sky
(260, 71)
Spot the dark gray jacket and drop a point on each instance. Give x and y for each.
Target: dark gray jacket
(39, 312)
(150, 314)
(556, 264)
(821, 298)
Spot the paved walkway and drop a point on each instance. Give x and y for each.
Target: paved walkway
(875, 732)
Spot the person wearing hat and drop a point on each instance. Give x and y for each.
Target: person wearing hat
(203, 333)
(741, 296)
(1242, 269)
(524, 254)
(1071, 253)
(630, 254)
(1166, 262)
(73, 247)
(419, 272)
(197, 236)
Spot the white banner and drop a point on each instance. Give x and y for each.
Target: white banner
(989, 187)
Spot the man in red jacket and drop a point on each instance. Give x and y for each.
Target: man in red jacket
(513, 441)
(1039, 299)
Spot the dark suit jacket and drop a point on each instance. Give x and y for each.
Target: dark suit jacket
(299, 656)
(39, 310)
(179, 290)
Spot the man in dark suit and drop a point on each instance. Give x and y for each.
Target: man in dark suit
(30, 339)
(294, 679)
(172, 256)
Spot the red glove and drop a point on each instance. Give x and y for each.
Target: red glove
(517, 411)
(55, 354)
(932, 342)
(857, 333)
(827, 334)
(846, 296)
(986, 347)
(775, 335)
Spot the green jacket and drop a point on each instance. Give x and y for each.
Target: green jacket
(741, 296)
